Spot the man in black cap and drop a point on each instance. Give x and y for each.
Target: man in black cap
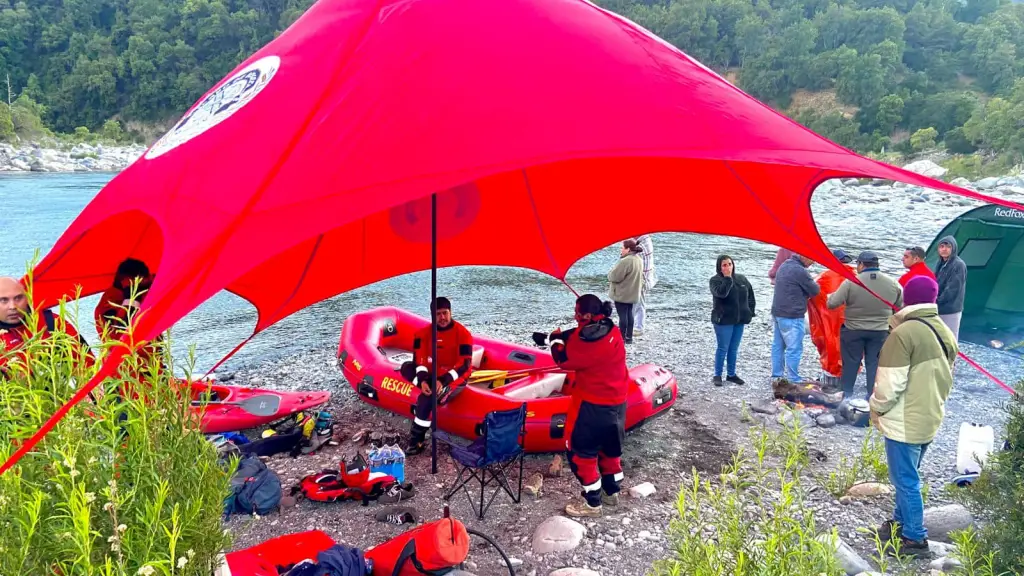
(866, 325)
(454, 364)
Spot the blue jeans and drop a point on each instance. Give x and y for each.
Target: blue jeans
(729, 336)
(904, 460)
(787, 348)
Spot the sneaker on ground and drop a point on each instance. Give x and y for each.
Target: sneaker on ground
(582, 510)
(735, 380)
(911, 548)
(397, 493)
(406, 515)
(717, 380)
(885, 531)
(610, 499)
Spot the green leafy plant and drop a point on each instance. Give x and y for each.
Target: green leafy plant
(123, 485)
(753, 521)
(869, 465)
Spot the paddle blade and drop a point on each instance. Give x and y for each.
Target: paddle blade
(261, 405)
(484, 375)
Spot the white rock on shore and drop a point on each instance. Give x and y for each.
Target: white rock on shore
(79, 158)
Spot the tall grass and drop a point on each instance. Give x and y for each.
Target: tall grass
(124, 485)
(753, 520)
(870, 465)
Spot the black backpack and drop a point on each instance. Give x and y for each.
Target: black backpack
(255, 489)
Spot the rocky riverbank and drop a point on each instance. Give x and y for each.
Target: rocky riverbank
(80, 157)
(700, 433)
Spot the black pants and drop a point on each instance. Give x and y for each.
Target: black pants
(625, 312)
(857, 344)
(595, 449)
(425, 408)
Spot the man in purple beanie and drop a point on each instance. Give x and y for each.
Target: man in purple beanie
(915, 375)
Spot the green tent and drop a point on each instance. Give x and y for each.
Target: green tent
(991, 243)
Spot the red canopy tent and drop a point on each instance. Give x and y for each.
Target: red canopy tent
(309, 170)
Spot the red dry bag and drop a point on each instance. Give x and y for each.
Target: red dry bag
(429, 549)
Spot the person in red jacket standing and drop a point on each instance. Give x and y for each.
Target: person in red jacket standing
(913, 261)
(454, 365)
(596, 424)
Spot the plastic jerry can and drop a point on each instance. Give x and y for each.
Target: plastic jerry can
(976, 442)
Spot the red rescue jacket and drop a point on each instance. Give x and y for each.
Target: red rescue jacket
(14, 336)
(919, 269)
(108, 310)
(597, 354)
(454, 352)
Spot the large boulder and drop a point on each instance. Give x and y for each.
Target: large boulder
(557, 534)
(868, 489)
(926, 168)
(941, 520)
(986, 183)
(849, 560)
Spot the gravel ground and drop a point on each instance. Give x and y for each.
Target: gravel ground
(702, 430)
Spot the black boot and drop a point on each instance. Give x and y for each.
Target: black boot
(417, 441)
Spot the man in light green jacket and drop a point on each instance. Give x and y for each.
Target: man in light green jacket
(626, 280)
(866, 322)
(915, 375)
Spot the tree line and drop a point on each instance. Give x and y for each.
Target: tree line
(907, 73)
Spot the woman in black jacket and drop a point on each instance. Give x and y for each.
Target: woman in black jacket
(733, 308)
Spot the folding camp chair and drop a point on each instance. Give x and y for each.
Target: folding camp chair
(490, 458)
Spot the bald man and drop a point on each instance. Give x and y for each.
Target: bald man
(14, 313)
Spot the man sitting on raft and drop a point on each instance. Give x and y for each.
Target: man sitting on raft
(455, 362)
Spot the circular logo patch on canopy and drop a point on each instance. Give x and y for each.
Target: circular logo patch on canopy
(220, 104)
(457, 208)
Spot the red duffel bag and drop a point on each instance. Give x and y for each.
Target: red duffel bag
(268, 558)
(428, 549)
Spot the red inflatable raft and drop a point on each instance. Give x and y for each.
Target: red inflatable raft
(218, 416)
(375, 343)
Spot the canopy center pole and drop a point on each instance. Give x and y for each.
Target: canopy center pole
(433, 331)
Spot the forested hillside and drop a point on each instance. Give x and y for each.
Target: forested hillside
(866, 73)
(870, 71)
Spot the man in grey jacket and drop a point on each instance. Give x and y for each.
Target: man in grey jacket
(951, 274)
(793, 287)
(867, 319)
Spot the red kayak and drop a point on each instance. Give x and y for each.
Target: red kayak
(220, 417)
(375, 343)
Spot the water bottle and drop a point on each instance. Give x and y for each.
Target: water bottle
(385, 459)
(399, 466)
(375, 460)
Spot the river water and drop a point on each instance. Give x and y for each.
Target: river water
(36, 208)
